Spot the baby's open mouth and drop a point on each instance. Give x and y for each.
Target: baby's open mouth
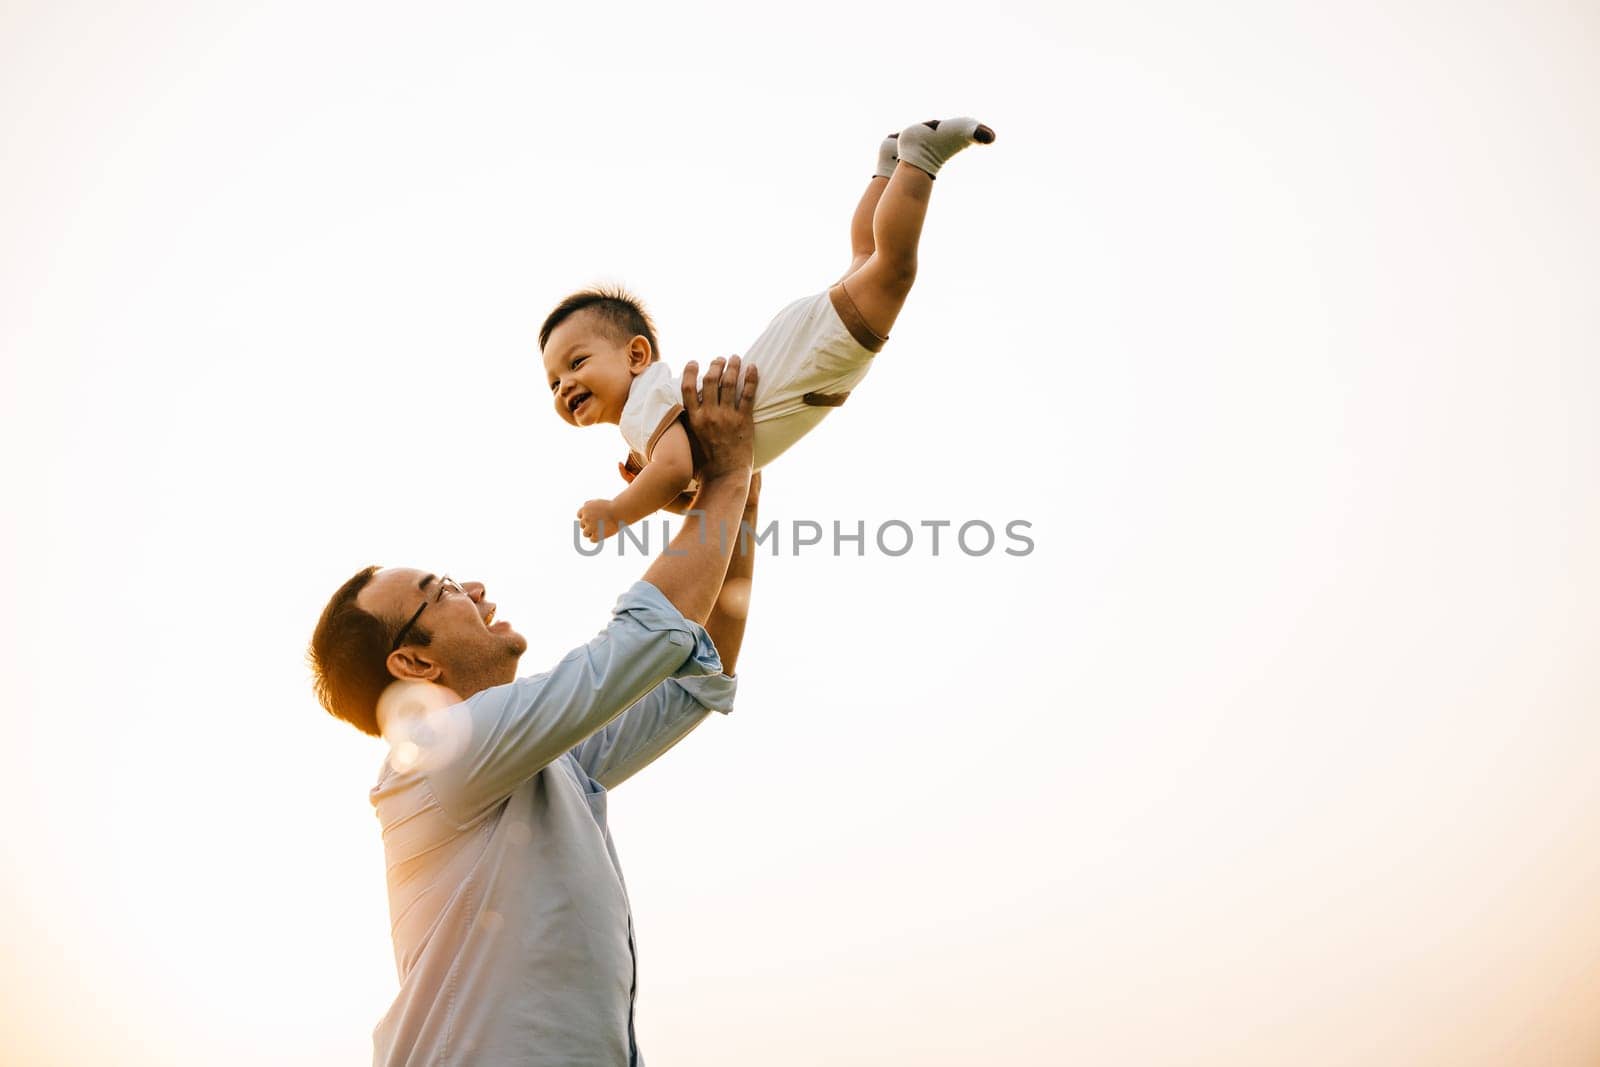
(576, 402)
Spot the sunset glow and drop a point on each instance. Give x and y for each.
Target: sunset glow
(1275, 323)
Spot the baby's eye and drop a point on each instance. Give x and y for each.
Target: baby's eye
(578, 362)
(554, 384)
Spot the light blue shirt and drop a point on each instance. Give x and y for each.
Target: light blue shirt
(512, 932)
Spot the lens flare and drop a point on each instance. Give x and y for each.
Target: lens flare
(404, 756)
(735, 597)
(425, 724)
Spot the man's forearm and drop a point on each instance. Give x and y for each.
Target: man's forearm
(726, 624)
(689, 573)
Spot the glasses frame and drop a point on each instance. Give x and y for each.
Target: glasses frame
(445, 583)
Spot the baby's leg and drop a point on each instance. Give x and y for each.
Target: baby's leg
(880, 285)
(861, 241)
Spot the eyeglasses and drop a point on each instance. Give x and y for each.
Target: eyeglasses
(445, 583)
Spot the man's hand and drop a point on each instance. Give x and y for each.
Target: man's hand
(598, 520)
(721, 421)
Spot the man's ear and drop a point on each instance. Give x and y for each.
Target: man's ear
(408, 664)
(639, 353)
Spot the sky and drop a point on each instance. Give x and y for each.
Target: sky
(1274, 323)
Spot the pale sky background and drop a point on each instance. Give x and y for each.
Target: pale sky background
(1278, 323)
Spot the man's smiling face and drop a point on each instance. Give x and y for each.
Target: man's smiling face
(466, 647)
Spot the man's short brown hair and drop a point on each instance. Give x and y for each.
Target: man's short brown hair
(349, 655)
(622, 316)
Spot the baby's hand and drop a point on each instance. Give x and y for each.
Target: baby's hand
(598, 520)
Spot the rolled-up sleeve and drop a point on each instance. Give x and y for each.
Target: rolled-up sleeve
(647, 606)
(714, 693)
(666, 715)
(498, 738)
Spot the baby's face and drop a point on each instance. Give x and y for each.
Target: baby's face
(589, 372)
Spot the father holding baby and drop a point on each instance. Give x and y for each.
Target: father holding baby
(512, 932)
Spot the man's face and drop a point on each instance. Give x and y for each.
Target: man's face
(470, 648)
(589, 372)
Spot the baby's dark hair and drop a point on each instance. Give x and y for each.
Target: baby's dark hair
(622, 316)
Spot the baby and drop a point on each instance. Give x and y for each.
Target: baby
(603, 361)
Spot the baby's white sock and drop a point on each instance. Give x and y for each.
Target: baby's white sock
(887, 156)
(929, 146)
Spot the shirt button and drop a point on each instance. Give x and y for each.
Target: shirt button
(678, 637)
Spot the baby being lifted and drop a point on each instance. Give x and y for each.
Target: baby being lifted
(603, 361)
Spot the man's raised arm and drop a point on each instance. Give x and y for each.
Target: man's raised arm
(726, 624)
(634, 739)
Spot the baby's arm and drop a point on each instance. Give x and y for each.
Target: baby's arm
(669, 471)
(685, 499)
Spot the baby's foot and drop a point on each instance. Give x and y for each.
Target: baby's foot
(929, 145)
(888, 156)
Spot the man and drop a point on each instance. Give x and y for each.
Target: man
(511, 925)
